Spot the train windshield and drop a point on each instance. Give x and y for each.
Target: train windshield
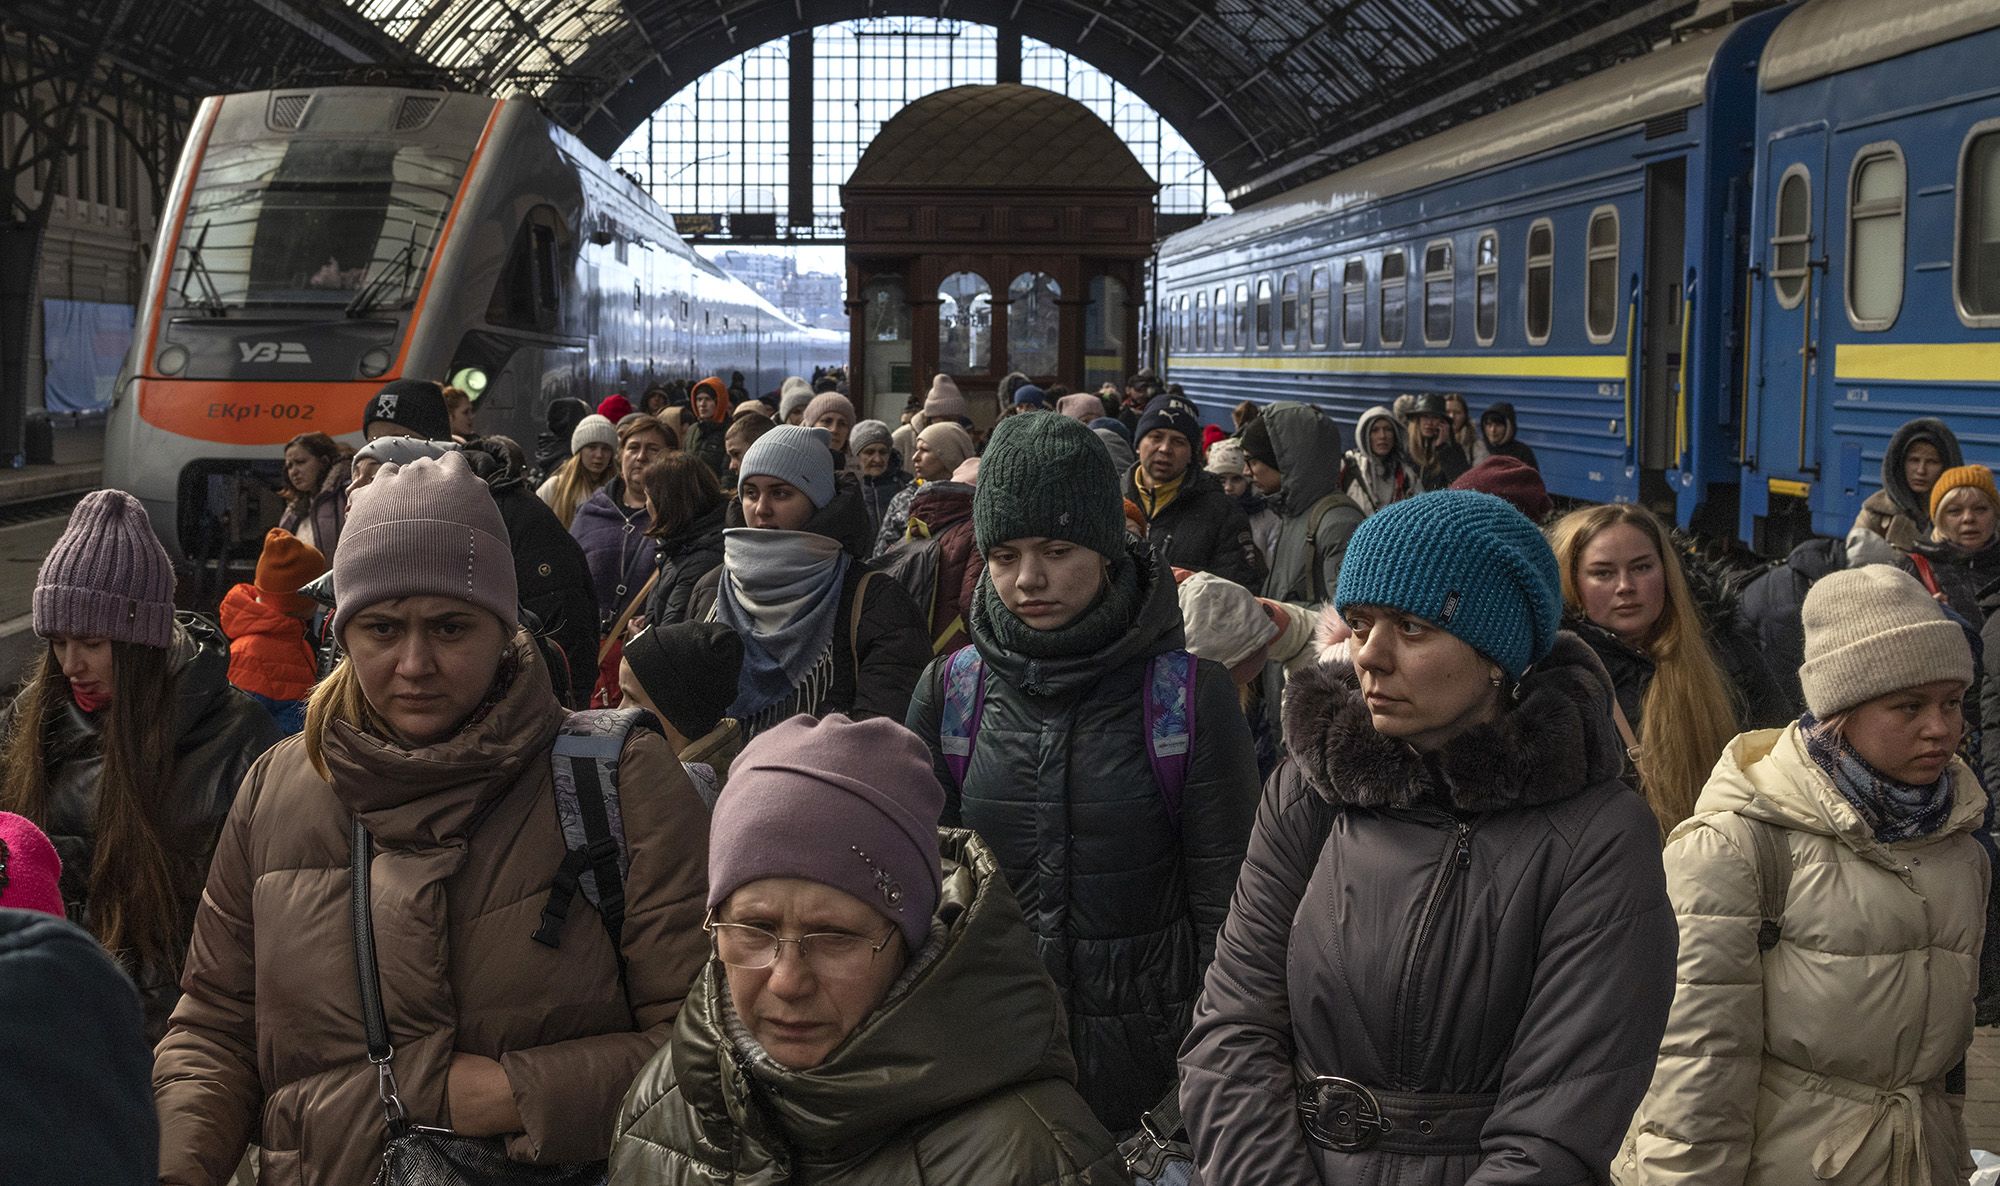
(343, 223)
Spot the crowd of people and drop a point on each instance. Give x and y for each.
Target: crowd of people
(741, 789)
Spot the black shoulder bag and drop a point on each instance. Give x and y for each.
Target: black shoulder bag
(417, 1155)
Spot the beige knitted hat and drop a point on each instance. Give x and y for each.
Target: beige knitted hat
(1874, 630)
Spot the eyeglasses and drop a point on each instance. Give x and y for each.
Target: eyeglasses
(831, 955)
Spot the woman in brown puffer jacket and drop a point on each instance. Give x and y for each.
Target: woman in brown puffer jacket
(435, 733)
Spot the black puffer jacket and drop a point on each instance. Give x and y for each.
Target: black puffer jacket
(1123, 908)
(1959, 574)
(217, 731)
(1202, 529)
(1760, 702)
(555, 586)
(77, 1077)
(1490, 920)
(685, 558)
(1989, 692)
(1773, 608)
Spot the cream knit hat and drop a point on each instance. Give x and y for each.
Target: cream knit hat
(1871, 631)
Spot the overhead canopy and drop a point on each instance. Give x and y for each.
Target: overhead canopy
(1271, 92)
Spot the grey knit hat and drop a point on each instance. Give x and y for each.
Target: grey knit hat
(593, 430)
(107, 576)
(1048, 477)
(796, 454)
(1874, 630)
(866, 433)
(429, 528)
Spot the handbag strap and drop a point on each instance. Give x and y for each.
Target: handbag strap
(367, 975)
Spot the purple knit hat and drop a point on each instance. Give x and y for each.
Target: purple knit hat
(429, 528)
(849, 804)
(108, 576)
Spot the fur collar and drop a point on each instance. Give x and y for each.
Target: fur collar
(1557, 741)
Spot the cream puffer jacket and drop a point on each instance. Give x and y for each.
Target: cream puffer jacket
(1825, 1059)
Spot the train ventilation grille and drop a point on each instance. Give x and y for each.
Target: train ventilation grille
(416, 112)
(289, 111)
(1667, 125)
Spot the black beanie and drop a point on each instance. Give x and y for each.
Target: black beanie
(689, 671)
(1171, 412)
(1048, 477)
(1257, 443)
(416, 405)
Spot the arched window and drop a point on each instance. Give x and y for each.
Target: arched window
(888, 310)
(1875, 238)
(1600, 280)
(1034, 325)
(965, 324)
(1791, 239)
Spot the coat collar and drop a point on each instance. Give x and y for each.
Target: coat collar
(1554, 743)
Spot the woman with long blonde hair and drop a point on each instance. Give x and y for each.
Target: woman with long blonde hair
(591, 465)
(1625, 594)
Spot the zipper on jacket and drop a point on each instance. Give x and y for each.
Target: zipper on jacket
(1457, 858)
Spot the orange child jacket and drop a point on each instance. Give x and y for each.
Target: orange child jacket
(268, 651)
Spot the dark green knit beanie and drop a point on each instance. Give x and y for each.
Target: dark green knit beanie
(1048, 477)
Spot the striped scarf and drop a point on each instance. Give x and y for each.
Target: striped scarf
(1894, 811)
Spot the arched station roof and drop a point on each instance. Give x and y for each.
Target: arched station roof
(983, 137)
(1270, 92)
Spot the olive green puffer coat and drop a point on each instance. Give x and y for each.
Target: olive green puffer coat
(962, 1075)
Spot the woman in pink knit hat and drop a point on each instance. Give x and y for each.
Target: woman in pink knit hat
(126, 742)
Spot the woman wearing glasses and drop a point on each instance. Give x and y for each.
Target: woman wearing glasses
(874, 1011)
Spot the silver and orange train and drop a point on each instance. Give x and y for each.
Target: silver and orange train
(321, 242)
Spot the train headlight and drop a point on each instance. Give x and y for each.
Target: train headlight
(470, 380)
(173, 360)
(375, 363)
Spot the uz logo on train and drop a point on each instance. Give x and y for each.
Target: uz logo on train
(281, 352)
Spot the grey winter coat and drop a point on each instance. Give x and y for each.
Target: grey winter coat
(1202, 529)
(1489, 921)
(1309, 504)
(1124, 908)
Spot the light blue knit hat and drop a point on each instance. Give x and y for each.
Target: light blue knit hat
(796, 454)
(1466, 562)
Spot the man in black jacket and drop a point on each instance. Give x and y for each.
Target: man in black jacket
(1191, 521)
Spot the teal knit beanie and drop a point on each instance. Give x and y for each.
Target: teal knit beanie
(1048, 477)
(1465, 562)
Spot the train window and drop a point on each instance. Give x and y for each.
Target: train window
(1243, 315)
(1288, 310)
(530, 287)
(1540, 305)
(1978, 265)
(1791, 242)
(1600, 280)
(1875, 237)
(1263, 313)
(1440, 292)
(1353, 302)
(1222, 319)
(1201, 320)
(1321, 315)
(1395, 297)
(1486, 289)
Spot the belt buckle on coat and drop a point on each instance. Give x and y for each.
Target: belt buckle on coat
(1341, 1114)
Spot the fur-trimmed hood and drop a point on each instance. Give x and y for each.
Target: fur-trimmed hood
(1556, 741)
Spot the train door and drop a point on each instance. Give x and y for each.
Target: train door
(1788, 308)
(1662, 435)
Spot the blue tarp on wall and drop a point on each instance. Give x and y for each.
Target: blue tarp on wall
(83, 345)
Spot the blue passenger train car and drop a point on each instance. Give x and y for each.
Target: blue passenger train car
(1597, 256)
(1876, 249)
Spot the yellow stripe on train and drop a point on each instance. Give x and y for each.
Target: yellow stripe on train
(1601, 367)
(1918, 362)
